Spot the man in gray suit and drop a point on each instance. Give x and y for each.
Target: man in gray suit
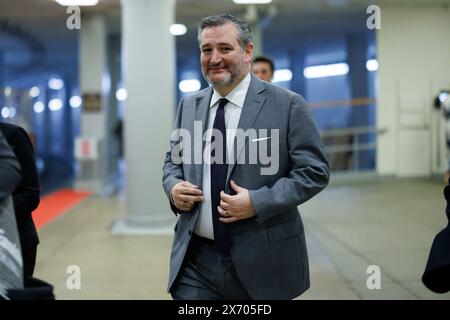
(239, 234)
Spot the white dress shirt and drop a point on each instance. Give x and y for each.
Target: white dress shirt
(236, 98)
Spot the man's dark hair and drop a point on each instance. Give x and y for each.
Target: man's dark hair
(243, 29)
(266, 60)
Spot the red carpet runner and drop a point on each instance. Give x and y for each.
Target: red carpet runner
(56, 204)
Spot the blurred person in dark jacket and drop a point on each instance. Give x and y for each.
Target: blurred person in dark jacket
(437, 271)
(26, 194)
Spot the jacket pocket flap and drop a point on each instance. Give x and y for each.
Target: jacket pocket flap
(283, 231)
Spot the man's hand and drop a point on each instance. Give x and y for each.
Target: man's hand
(237, 207)
(185, 194)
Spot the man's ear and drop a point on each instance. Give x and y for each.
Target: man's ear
(248, 52)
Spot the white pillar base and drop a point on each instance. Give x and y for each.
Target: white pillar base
(127, 226)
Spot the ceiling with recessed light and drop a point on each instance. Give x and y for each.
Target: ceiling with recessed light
(33, 32)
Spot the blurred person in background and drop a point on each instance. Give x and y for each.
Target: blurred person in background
(442, 102)
(437, 271)
(26, 194)
(11, 273)
(263, 67)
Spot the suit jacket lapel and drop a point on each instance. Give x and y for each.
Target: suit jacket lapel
(201, 114)
(252, 106)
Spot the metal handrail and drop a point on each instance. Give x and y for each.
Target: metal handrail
(350, 147)
(355, 147)
(351, 131)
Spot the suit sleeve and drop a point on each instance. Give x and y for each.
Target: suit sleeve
(26, 195)
(172, 172)
(10, 173)
(309, 172)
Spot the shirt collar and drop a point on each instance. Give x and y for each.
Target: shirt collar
(236, 96)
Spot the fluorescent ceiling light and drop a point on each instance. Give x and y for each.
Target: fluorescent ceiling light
(178, 29)
(55, 104)
(38, 107)
(75, 101)
(69, 3)
(327, 70)
(282, 75)
(121, 94)
(55, 84)
(12, 112)
(252, 1)
(190, 85)
(34, 92)
(5, 112)
(372, 65)
(8, 91)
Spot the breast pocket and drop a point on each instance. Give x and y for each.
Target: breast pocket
(261, 149)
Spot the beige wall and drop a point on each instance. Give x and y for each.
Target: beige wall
(414, 57)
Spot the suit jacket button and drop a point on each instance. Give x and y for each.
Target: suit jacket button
(190, 232)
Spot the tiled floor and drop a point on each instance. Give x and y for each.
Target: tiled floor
(349, 226)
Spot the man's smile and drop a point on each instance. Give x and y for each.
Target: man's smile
(217, 69)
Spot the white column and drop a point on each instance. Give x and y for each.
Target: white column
(93, 173)
(413, 53)
(257, 39)
(253, 19)
(149, 74)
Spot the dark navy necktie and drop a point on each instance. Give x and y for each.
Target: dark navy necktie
(222, 237)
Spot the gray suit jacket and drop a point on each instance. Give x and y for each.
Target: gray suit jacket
(269, 250)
